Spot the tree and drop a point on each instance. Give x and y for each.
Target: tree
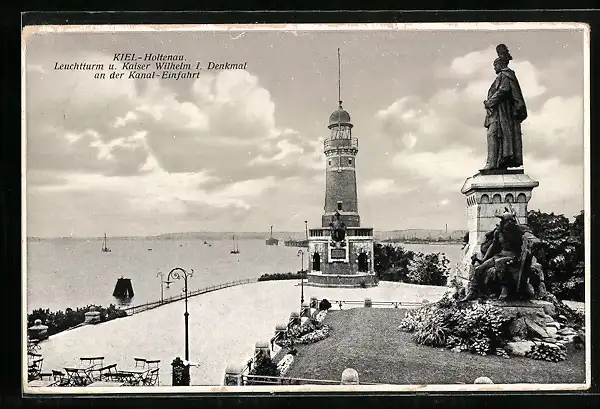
(564, 250)
(428, 269)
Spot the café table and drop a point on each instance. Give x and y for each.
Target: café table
(133, 376)
(79, 375)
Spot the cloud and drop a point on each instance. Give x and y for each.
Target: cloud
(380, 187)
(443, 170)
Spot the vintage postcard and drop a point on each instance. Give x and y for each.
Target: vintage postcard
(365, 207)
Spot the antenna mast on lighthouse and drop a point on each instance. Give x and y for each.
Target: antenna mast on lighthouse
(339, 79)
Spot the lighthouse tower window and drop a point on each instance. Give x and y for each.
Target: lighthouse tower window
(329, 162)
(339, 205)
(350, 161)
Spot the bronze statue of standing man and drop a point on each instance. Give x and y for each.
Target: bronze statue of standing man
(505, 107)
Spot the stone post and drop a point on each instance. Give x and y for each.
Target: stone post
(368, 303)
(350, 377)
(305, 310)
(294, 318)
(233, 375)
(262, 348)
(38, 330)
(281, 330)
(181, 373)
(92, 316)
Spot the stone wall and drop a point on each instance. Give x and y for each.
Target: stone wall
(352, 281)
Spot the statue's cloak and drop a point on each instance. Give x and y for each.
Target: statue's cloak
(507, 104)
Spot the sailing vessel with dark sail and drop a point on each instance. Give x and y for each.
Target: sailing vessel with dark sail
(105, 248)
(235, 246)
(271, 241)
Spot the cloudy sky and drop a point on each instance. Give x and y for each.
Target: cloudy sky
(243, 150)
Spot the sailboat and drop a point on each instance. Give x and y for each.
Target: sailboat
(105, 248)
(272, 241)
(235, 246)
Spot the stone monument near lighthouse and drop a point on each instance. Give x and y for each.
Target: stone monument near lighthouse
(341, 252)
(501, 190)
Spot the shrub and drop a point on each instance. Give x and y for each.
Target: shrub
(428, 269)
(479, 328)
(59, 321)
(282, 276)
(394, 263)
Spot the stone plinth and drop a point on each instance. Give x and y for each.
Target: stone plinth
(345, 264)
(233, 375)
(347, 281)
(487, 194)
(38, 330)
(92, 316)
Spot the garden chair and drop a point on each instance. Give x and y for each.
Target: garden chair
(106, 371)
(93, 361)
(155, 363)
(34, 368)
(151, 377)
(60, 378)
(140, 362)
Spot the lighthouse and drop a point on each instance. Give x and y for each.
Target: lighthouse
(341, 251)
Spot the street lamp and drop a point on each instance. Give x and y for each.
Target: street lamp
(161, 275)
(301, 254)
(178, 273)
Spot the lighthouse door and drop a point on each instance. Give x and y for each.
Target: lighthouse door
(363, 264)
(316, 262)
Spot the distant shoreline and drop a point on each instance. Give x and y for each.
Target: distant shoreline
(382, 236)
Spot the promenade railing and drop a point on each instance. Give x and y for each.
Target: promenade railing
(256, 380)
(135, 309)
(385, 304)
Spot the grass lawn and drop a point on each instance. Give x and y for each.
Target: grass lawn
(368, 340)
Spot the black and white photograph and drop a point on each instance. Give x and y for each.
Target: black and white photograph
(305, 208)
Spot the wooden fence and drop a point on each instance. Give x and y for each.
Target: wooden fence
(135, 309)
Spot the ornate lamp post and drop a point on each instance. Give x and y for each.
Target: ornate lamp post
(161, 275)
(301, 254)
(178, 273)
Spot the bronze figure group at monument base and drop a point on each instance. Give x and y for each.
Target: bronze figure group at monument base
(507, 267)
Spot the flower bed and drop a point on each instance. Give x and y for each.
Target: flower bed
(321, 316)
(284, 365)
(481, 328)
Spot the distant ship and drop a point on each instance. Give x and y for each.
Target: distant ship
(296, 243)
(272, 241)
(105, 248)
(235, 246)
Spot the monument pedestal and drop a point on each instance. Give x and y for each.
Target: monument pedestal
(345, 264)
(487, 194)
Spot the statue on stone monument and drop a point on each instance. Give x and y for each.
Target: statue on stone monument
(338, 228)
(507, 264)
(505, 110)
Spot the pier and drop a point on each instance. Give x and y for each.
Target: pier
(135, 309)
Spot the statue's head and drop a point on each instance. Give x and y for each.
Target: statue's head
(503, 59)
(507, 218)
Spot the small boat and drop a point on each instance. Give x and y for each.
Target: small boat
(205, 242)
(235, 246)
(149, 249)
(105, 248)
